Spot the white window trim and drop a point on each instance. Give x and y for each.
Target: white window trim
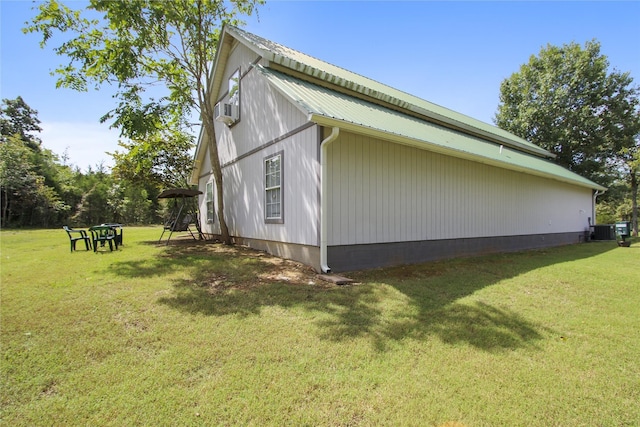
(234, 99)
(279, 219)
(210, 203)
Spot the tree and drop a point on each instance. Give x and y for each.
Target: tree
(19, 119)
(36, 190)
(99, 203)
(15, 174)
(566, 101)
(138, 44)
(29, 175)
(627, 160)
(26, 198)
(161, 160)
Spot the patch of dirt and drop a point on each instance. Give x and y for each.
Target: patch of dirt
(50, 389)
(261, 267)
(283, 270)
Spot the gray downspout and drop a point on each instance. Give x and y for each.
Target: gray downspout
(595, 194)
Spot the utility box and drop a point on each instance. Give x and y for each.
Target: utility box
(623, 230)
(603, 232)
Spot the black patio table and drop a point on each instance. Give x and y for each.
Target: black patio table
(106, 233)
(116, 226)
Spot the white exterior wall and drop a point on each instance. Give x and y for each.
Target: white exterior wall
(265, 117)
(382, 192)
(244, 186)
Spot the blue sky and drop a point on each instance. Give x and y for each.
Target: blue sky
(454, 54)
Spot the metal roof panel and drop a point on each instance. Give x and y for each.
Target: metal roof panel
(328, 107)
(313, 67)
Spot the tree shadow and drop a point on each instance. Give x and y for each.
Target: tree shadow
(388, 305)
(433, 306)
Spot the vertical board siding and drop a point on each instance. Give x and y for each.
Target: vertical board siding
(265, 116)
(244, 197)
(264, 113)
(382, 192)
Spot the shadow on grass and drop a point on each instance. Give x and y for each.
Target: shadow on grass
(388, 305)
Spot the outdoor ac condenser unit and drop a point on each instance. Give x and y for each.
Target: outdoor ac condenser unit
(225, 113)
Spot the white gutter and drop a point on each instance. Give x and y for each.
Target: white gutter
(335, 131)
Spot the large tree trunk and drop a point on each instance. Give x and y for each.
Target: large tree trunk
(5, 206)
(217, 175)
(634, 203)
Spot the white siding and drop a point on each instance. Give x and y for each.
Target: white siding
(265, 117)
(382, 192)
(264, 113)
(244, 186)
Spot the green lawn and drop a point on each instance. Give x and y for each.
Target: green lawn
(201, 334)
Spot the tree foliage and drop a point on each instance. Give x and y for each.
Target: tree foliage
(626, 161)
(18, 119)
(141, 44)
(36, 190)
(161, 160)
(567, 101)
(28, 176)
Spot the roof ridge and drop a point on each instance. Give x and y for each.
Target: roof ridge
(255, 36)
(329, 73)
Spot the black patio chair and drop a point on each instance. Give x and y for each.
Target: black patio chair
(75, 235)
(101, 234)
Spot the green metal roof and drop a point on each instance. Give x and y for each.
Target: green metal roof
(290, 60)
(333, 96)
(331, 108)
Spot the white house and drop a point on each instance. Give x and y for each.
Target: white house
(341, 172)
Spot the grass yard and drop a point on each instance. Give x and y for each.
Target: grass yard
(202, 334)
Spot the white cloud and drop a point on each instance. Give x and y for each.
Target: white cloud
(85, 143)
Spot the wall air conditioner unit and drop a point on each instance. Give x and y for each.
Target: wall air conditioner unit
(225, 113)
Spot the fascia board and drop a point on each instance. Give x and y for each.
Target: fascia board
(198, 157)
(220, 61)
(436, 148)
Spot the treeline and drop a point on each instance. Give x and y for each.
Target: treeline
(39, 189)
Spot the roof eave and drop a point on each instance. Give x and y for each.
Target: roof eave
(315, 74)
(436, 148)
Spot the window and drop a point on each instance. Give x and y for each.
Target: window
(209, 200)
(273, 178)
(234, 89)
